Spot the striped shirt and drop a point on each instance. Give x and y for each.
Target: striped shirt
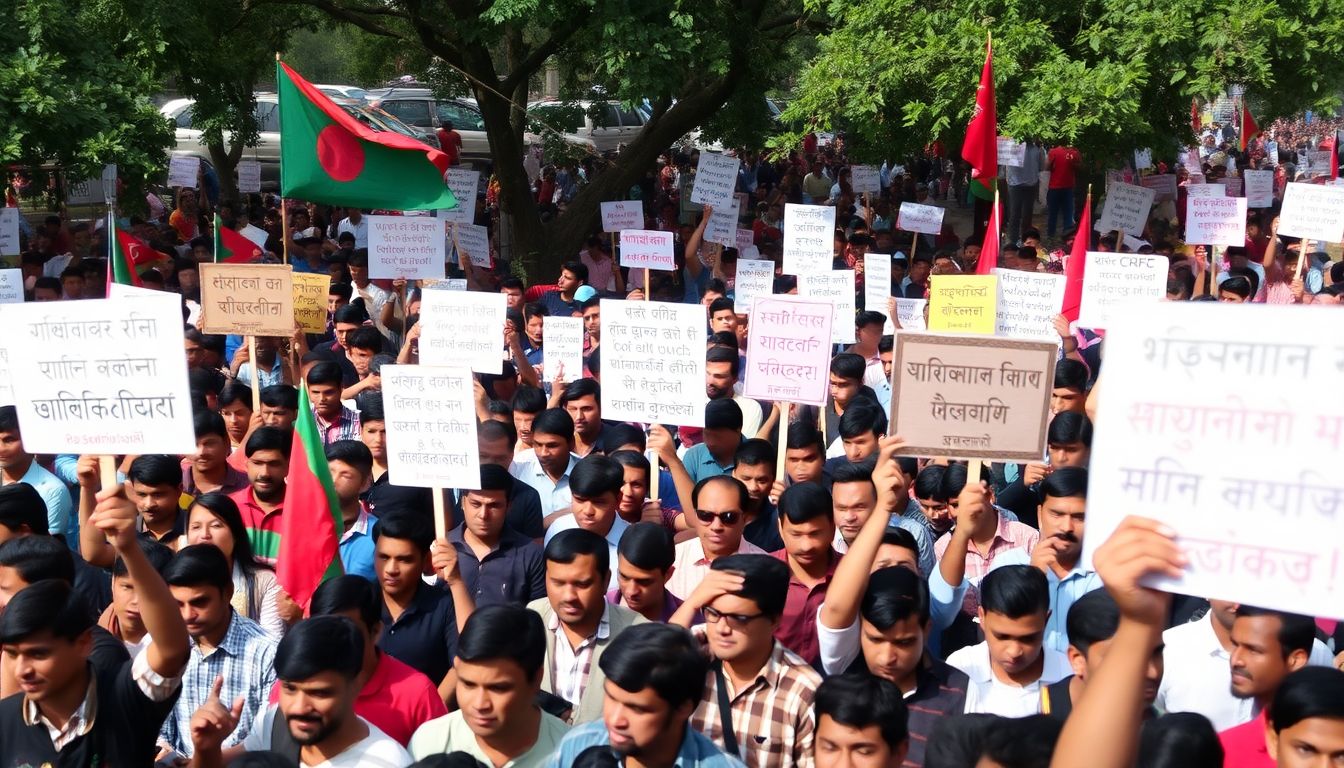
(1008, 536)
(263, 528)
(940, 691)
(345, 427)
(772, 718)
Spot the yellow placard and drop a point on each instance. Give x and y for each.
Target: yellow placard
(963, 303)
(310, 301)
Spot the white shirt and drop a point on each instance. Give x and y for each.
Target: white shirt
(555, 494)
(613, 537)
(377, 750)
(691, 565)
(987, 693)
(360, 231)
(571, 667)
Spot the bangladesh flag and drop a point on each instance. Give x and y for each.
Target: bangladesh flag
(233, 248)
(328, 156)
(311, 525)
(128, 253)
(981, 148)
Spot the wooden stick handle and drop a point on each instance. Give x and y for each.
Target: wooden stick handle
(255, 386)
(440, 516)
(973, 472)
(785, 409)
(107, 472)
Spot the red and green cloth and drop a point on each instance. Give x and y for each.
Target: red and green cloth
(311, 525)
(1249, 130)
(128, 254)
(981, 148)
(232, 248)
(1076, 266)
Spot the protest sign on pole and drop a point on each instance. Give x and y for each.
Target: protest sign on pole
(722, 226)
(9, 231)
(962, 303)
(1143, 159)
(647, 249)
(310, 301)
(715, 180)
(924, 219)
(1012, 153)
(809, 232)
(1126, 208)
(247, 299)
(1115, 280)
(622, 214)
(1194, 190)
(877, 287)
(971, 398)
(865, 178)
(1259, 188)
(409, 247)
(837, 287)
(105, 376)
(1312, 211)
(789, 350)
(1027, 305)
(431, 427)
(460, 327)
(474, 241)
(464, 182)
(653, 362)
(1163, 186)
(1216, 221)
(911, 314)
(755, 277)
(249, 176)
(183, 170)
(1272, 152)
(562, 341)
(1244, 480)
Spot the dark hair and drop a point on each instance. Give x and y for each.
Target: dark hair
(633, 459)
(208, 423)
(850, 472)
(715, 285)
(205, 380)
(535, 309)
(352, 452)
(596, 756)
(1092, 618)
(528, 400)
(200, 565)
(1180, 740)
(723, 414)
(342, 290)
(765, 580)
(1070, 427)
(869, 317)
(804, 502)
(365, 337)
(595, 475)
(269, 439)
(862, 417)
(1027, 742)
(1070, 374)
(1181, 282)
(848, 365)
(369, 403)
(858, 701)
(20, 505)
(954, 480)
(157, 554)
(155, 469)
(900, 537)
(51, 284)
(353, 313)
(724, 355)
(325, 372)
(554, 421)
(1065, 483)
(349, 593)
(581, 388)
(755, 452)
(576, 268)
(280, 396)
(504, 632)
(743, 497)
(659, 656)
(1236, 284)
(801, 435)
(320, 644)
(1015, 591)
(1309, 692)
(720, 304)
(1296, 632)
(494, 429)
(647, 546)
(566, 546)
(9, 418)
(49, 605)
(895, 594)
(235, 392)
(725, 341)
(929, 482)
(511, 282)
(405, 525)
(38, 558)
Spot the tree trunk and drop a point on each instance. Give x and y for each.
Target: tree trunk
(226, 169)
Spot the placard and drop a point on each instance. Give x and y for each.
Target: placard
(653, 362)
(247, 299)
(1028, 303)
(1126, 208)
(968, 397)
(562, 347)
(1259, 188)
(745, 239)
(461, 327)
(1193, 190)
(465, 184)
(249, 176)
(101, 376)
(715, 180)
(755, 277)
(788, 350)
(9, 231)
(11, 286)
(1319, 160)
(409, 247)
(1143, 158)
(925, 219)
(809, 238)
(473, 240)
(865, 178)
(1012, 153)
(1216, 220)
(1246, 481)
(1163, 186)
(310, 300)
(836, 287)
(431, 427)
(647, 249)
(877, 287)
(1312, 211)
(1113, 281)
(1232, 186)
(911, 314)
(722, 226)
(622, 214)
(962, 303)
(1272, 152)
(183, 171)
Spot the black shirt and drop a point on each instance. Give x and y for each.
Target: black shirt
(425, 635)
(514, 573)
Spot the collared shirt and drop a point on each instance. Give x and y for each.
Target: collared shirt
(700, 463)
(168, 539)
(512, 573)
(245, 658)
(987, 693)
(269, 377)
(798, 625)
(670, 603)
(696, 750)
(571, 666)
(691, 565)
(763, 529)
(360, 229)
(1007, 537)
(618, 528)
(60, 507)
(234, 480)
(451, 733)
(772, 717)
(1064, 592)
(1197, 676)
(357, 545)
(555, 494)
(345, 427)
(424, 636)
(1244, 745)
(263, 528)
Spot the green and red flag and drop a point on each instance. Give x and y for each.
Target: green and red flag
(128, 253)
(1076, 267)
(1249, 130)
(232, 248)
(328, 156)
(311, 525)
(981, 148)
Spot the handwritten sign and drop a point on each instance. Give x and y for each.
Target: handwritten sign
(310, 301)
(971, 398)
(622, 214)
(1313, 211)
(1114, 280)
(101, 376)
(877, 287)
(809, 238)
(247, 299)
(1012, 153)
(409, 247)
(474, 241)
(715, 180)
(9, 231)
(1319, 160)
(745, 239)
(925, 219)
(1232, 186)
(1244, 481)
(962, 303)
(1216, 221)
(562, 340)
(865, 178)
(837, 287)
(1126, 208)
(1027, 305)
(11, 286)
(722, 226)
(6, 390)
(1194, 190)
(647, 249)
(910, 312)
(755, 277)
(465, 183)
(1162, 184)
(1143, 158)
(1259, 188)
(249, 176)
(653, 362)
(431, 427)
(789, 350)
(183, 171)
(461, 327)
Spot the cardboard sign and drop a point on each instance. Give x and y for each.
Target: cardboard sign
(474, 241)
(247, 299)
(809, 238)
(1245, 480)
(925, 219)
(310, 301)
(562, 342)
(622, 214)
(722, 226)
(1162, 184)
(1232, 186)
(1126, 208)
(1313, 211)
(1027, 304)
(836, 287)
(1012, 153)
(183, 171)
(647, 249)
(755, 277)
(971, 398)
(962, 303)
(1193, 190)
(1114, 281)
(653, 362)
(1216, 221)
(715, 180)
(101, 376)
(465, 184)
(1259, 188)
(461, 327)
(865, 178)
(877, 287)
(9, 231)
(1143, 158)
(789, 350)
(431, 427)
(910, 313)
(409, 247)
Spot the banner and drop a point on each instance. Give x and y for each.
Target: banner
(247, 299)
(788, 350)
(431, 427)
(1115, 280)
(962, 303)
(653, 362)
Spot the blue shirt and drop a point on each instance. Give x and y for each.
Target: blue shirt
(60, 508)
(697, 751)
(701, 464)
(357, 547)
(514, 572)
(425, 635)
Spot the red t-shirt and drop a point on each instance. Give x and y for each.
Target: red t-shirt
(1062, 162)
(451, 144)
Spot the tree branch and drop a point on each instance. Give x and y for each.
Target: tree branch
(538, 56)
(355, 16)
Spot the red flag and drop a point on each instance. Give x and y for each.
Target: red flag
(1334, 156)
(981, 148)
(989, 252)
(1195, 122)
(232, 248)
(1249, 130)
(1077, 264)
(128, 254)
(311, 526)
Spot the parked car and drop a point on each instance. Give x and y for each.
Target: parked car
(606, 124)
(418, 107)
(344, 91)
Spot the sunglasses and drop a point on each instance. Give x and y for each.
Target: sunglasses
(728, 518)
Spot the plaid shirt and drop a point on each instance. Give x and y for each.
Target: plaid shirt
(346, 426)
(570, 666)
(1008, 536)
(772, 718)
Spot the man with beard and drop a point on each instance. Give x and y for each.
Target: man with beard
(262, 502)
(1267, 646)
(1059, 551)
(1092, 622)
(547, 466)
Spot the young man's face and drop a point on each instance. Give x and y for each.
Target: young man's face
(852, 504)
(719, 380)
(723, 320)
(374, 436)
(808, 543)
(757, 477)
(266, 470)
(869, 335)
(155, 503)
(587, 416)
(348, 481)
(894, 652)
(533, 328)
(46, 666)
(1014, 644)
(317, 707)
(237, 415)
(639, 723)
(126, 604)
(567, 282)
(483, 512)
(1258, 660)
(11, 449)
(843, 390)
(1067, 399)
(1069, 455)
(326, 399)
(494, 694)
(399, 564)
(1315, 742)
(1063, 519)
(596, 513)
(553, 451)
(860, 446)
(592, 321)
(513, 298)
(804, 464)
(360, 358)
(740, 631)
(205, 610)
(836, 745)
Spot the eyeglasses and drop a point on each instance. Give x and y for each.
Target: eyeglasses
(728, 518)
(737, 621)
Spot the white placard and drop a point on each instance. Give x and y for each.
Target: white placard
(745, 239)
(106, 376)
(722, 226)
(86, 192)
(755, 277)
(249, 176)
(788, 350)
(837, 287)
(1313, 211)
(911, 314)
(410, 247)
(431, 427)
(11, 286)
(460, 327)
(1114, 282)
(622, 214)
(1143, 158)
(1205, 190)
(1247, 483)
(1319, 160)
(715, 180)
(562, 347)
(865, 178)
(877, 287)
(809, 238)
(1232, 186)
(1126, 208)
(653, 362)
(1259, 188)
(474, 240)
(1272, 152)
(455, 284)
(1215, 220)
(647, 249)
(1027, 306)
(464, 182)
(1162, 184)
(9, 231)
(183, 170)
(925, 219)
(1012, 153)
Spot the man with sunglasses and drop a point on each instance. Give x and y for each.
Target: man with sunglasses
(720, 504)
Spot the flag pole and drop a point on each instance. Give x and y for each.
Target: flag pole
(284, 214)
